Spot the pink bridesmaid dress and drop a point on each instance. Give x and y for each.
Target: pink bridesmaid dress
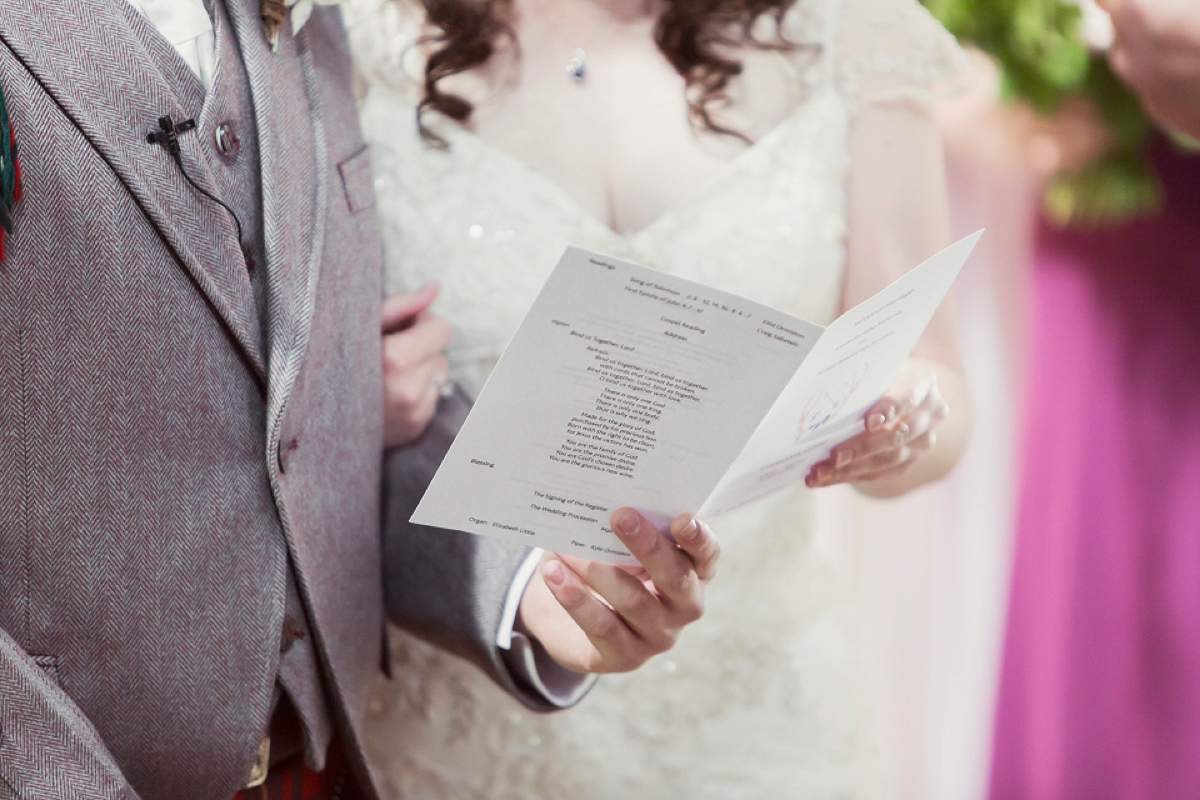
(1100, 685)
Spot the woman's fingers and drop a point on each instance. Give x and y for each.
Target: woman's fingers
(925, 442)
(901, 400)
(884, 463)
(901, 467)
(414, 372)
(866, 445)
(401, 310)
(890, 463)
(915, 399)
(880, 449)
(427, 337)
(414, 387)
(411, 398)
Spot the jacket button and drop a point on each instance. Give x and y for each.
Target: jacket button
(227, 139)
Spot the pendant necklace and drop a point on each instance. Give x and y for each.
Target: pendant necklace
(577, 66)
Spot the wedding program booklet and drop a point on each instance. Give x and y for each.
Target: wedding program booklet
(626, 386)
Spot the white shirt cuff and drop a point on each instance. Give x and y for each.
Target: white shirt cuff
(512, 602)
(529, 662)
(526, 659)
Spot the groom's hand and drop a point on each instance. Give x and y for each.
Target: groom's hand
(597, 618)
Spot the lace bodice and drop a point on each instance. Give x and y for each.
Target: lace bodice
(490, 228)
(760, 699)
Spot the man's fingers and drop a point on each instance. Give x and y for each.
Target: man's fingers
(616, 645)
(696, 539)
(408, 348)
(641, 609)
(400, 310)
(670, 568)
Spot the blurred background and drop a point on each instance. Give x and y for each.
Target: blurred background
(1042, 638)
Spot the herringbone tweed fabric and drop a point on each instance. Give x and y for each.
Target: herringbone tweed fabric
(146, 525)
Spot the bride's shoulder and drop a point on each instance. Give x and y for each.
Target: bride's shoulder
(881, 50)
(386, 38)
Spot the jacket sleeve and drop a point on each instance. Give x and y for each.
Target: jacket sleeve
(449, 587)
(48, 748)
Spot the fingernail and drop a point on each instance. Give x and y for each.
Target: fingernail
(903, 429)
(891, 413)
(875, 422)
(843, 458)
(555, 573)
(628, 523)
(689, 531)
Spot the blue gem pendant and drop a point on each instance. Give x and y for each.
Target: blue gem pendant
(577, 66)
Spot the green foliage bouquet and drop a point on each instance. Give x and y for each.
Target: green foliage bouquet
(1044, 60)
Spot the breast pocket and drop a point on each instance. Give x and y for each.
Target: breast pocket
(357, 180)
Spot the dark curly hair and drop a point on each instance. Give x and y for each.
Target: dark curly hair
(689, 33)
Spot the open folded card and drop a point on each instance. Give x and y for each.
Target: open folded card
(626, 386)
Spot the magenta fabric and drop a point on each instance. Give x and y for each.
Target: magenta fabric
(1100, 686)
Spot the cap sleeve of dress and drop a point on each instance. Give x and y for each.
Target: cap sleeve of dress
(893, 50)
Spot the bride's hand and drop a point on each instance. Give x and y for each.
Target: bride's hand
(900, 428)
(414, 368)
(596, 618)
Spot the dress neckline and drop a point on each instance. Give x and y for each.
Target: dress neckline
(729, 170)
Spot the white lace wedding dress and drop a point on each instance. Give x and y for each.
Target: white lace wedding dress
(761, 699)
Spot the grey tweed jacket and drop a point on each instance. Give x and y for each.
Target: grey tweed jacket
(165, 458)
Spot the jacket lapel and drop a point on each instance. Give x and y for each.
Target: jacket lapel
(97, 60)
(293, 159)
